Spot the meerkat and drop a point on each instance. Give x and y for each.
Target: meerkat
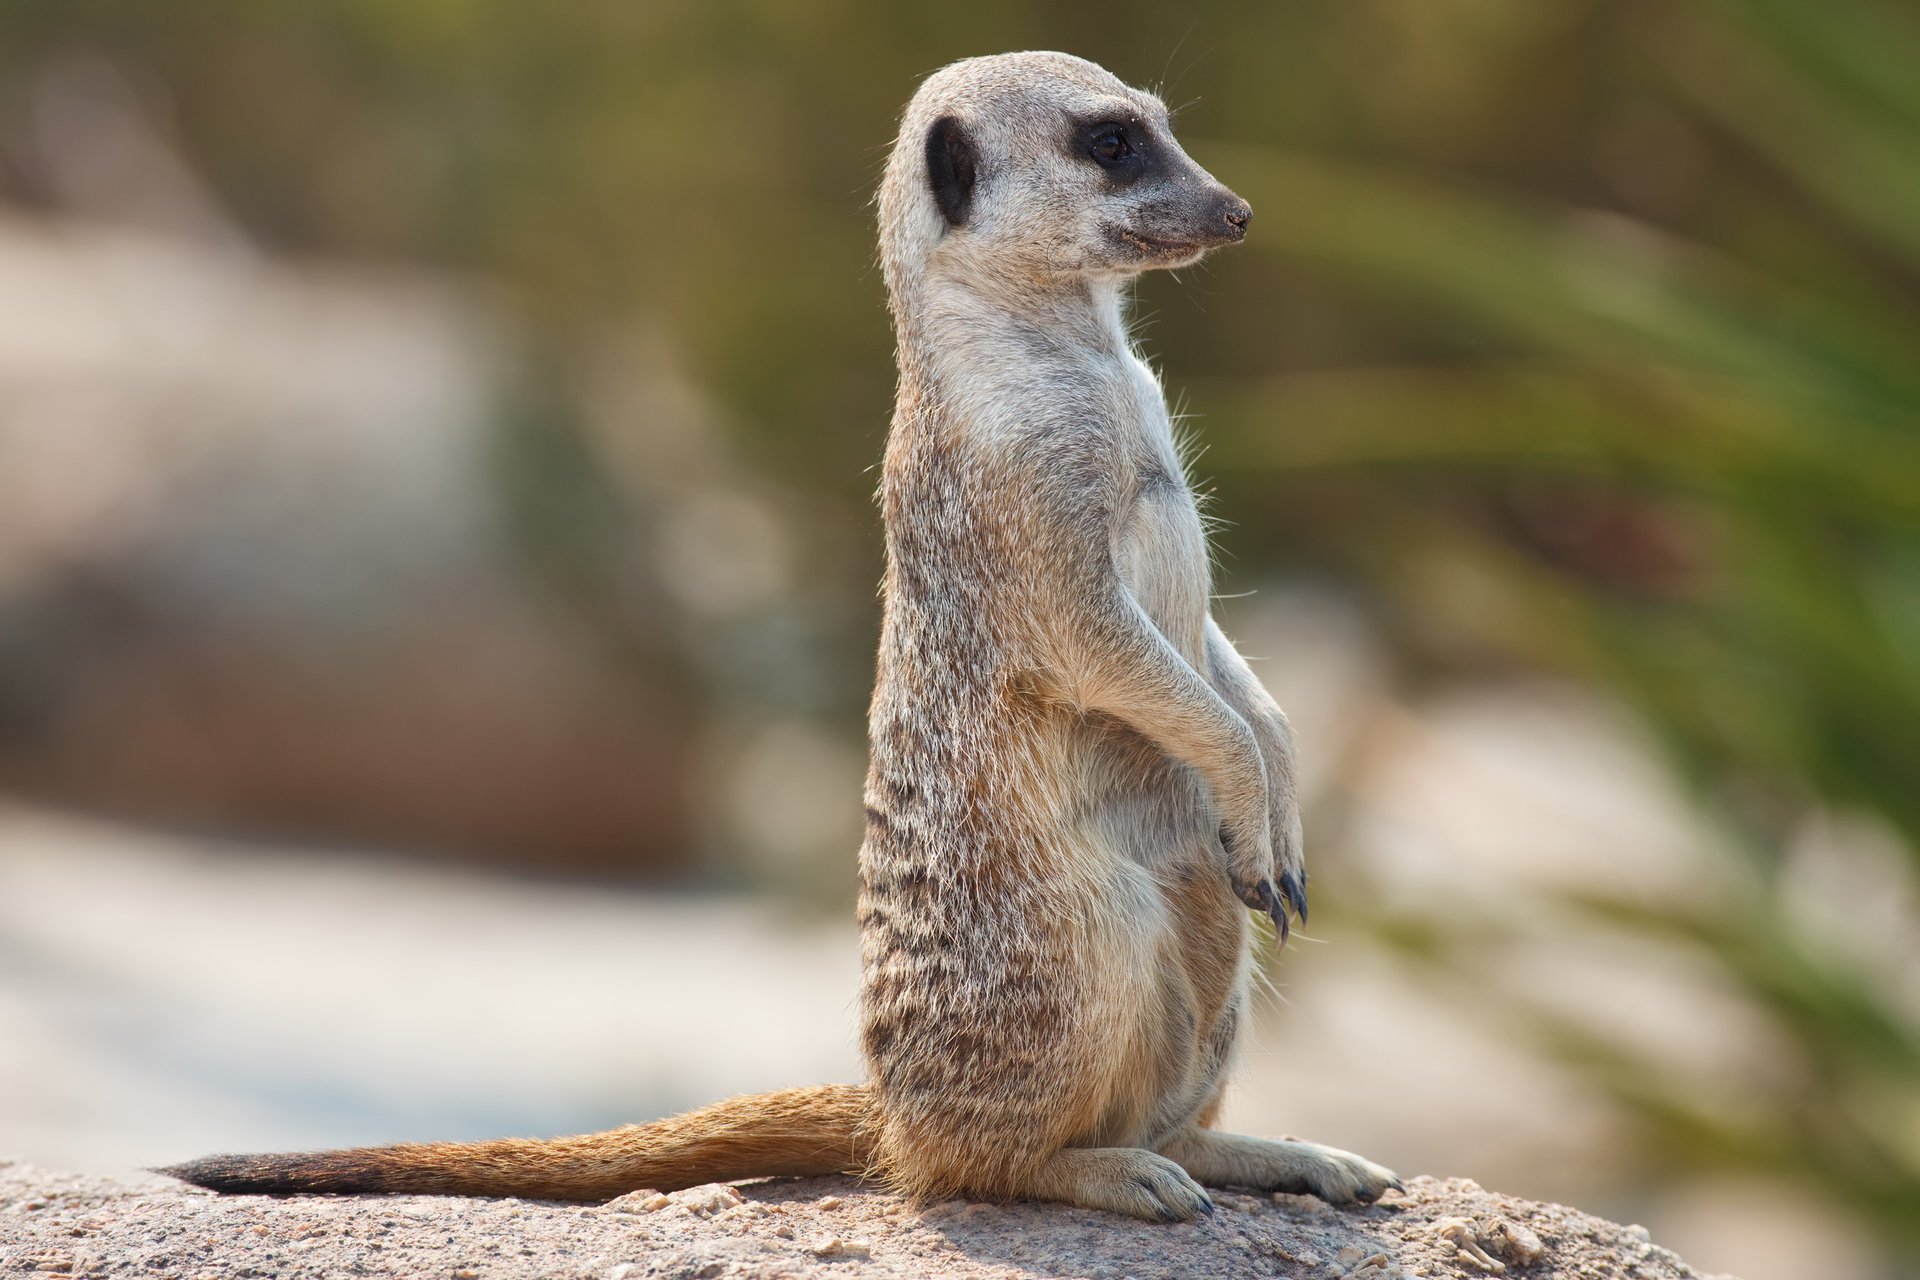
(1077, 787)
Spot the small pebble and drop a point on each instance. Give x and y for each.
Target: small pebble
(1377, 1267)
(646, 1201)
(708, 1200)
(1466, 1242)
(1516, 1243)
(835, 1247)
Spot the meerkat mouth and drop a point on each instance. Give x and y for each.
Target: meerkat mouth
(1150, 244)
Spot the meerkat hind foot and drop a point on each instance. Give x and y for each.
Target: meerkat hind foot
(1126, 1180)
(1269, 1164)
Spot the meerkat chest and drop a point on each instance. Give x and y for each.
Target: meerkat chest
(1160, 541)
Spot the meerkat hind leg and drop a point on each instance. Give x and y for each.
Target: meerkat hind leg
(1129, 1180)
(1268, 1164)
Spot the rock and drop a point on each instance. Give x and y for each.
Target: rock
(835, 1247)
(1514, 1242)
(816, 1227)
(645, 1201)
(706, 1201)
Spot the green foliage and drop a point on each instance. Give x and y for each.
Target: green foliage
(1752, 401)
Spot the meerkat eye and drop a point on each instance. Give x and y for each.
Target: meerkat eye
(1109, 145)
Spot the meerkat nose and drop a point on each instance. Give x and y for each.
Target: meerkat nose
(1234, 214)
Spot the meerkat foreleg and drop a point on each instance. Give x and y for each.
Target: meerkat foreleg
(1289, 1164)
(1125, 667)
(1242, 691)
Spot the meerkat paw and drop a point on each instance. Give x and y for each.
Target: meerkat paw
(1125, 1180)
(1336, 1176)
(1267, 1164)
(1274, 881)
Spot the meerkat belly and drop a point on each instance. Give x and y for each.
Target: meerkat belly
(1153, 818)
(1186, 955)
(1154, 807)
(1164, 954)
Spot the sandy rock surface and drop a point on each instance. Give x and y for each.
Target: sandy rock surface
(60, 1225)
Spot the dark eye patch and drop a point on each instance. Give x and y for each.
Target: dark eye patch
(1110, 145)
(1117, 146)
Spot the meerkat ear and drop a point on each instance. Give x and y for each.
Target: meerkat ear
(950, 169)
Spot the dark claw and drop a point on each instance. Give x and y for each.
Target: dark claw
(1264, 892)
(1207, 1206)
(1294, 886)
(1267, 902)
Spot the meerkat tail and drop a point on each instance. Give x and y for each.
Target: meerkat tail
(791, 1133)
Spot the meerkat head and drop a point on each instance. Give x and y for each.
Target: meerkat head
(1043, 165)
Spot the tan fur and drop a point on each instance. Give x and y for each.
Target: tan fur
(1076, 785)
(790, 1133)
(1055, 946)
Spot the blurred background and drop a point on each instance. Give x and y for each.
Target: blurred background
(438, 563)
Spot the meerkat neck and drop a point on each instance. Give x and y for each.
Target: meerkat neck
(1078, 314)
